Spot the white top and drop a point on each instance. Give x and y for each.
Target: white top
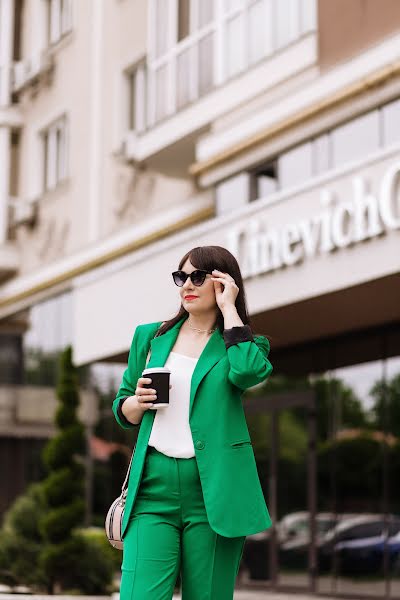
(171, 433)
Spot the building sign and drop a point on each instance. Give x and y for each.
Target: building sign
(339, 224)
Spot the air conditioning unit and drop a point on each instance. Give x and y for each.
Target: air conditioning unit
(24, 71)
(23, 212)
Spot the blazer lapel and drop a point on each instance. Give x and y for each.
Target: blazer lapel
(213, 351)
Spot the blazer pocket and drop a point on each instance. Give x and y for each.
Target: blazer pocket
(241, 443)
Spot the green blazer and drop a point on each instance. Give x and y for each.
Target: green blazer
(231, 487)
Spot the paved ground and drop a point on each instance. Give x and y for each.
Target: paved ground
(261, 595)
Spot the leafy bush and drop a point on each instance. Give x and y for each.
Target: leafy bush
(41, 543)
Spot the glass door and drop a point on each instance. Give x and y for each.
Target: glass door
(283, 430)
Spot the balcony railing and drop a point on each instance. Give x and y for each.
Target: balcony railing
(236, 36)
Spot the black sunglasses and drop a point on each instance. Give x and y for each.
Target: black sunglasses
(198, 277)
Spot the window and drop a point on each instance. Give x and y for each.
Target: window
(356, 139)
(295, 166)
(136, 93)
(353, 140)
(264, 180)
(59, 19)
(232, 193)
(183, 19)
(391, 123)
(55, 154)
(196, 45)
(162, 27)
(234, 48)
(260, 30)
(287, 22)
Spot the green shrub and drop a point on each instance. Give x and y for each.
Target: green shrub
(41, 543)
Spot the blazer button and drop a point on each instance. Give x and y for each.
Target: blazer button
(199, 444)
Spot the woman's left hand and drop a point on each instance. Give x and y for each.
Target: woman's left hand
(225, 288)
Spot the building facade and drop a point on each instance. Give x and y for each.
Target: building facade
(133, 131)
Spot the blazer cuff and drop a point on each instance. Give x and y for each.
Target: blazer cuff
(121, 414)
(233, 335)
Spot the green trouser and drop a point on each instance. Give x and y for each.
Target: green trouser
(168, 532)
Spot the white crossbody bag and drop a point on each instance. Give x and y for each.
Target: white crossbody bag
(113, 523)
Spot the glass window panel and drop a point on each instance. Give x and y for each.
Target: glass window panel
(161, 30)
(295, 166)
(287, 21)
(265, 180)
(51, 158)
(66, 10)
(161, 92)
(232, 5)
(60, 153)
(183, 72)
(206, 12)
(355, 139)
(55, 20)
(183, 19)
(259, 31)
(308, 15)
(206, 64)
(141, 99)
(45, 146)
(350, 559)
(65, 320)
(232, 193)
(234, 45)
(266, 185)
(391, 123)
(131, 100)
(321, 154)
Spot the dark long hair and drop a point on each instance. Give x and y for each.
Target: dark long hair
(209, 258)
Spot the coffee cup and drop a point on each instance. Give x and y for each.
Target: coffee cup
(160, 382)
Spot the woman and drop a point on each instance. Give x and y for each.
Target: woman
(194, 491)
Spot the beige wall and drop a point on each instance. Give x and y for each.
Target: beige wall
(62, 226)
(347, 27)
(103, 195)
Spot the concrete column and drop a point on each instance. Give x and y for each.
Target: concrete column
(6, 58)
(5, 158)
(6, 49)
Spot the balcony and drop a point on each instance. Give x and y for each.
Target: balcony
(30, 410)
(210, 69)
(23, 212)
(31, 70)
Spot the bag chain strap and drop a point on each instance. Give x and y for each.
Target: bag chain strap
(124, 488)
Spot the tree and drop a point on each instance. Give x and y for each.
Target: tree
(21, 539)
(64, 486)
(337, 407)
(42, 543)
(386, 409)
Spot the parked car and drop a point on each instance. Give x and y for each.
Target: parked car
(295, 537)
(292, 529)
(353, 546)
(366, 554)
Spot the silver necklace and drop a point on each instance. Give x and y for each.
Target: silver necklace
(202, 330)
